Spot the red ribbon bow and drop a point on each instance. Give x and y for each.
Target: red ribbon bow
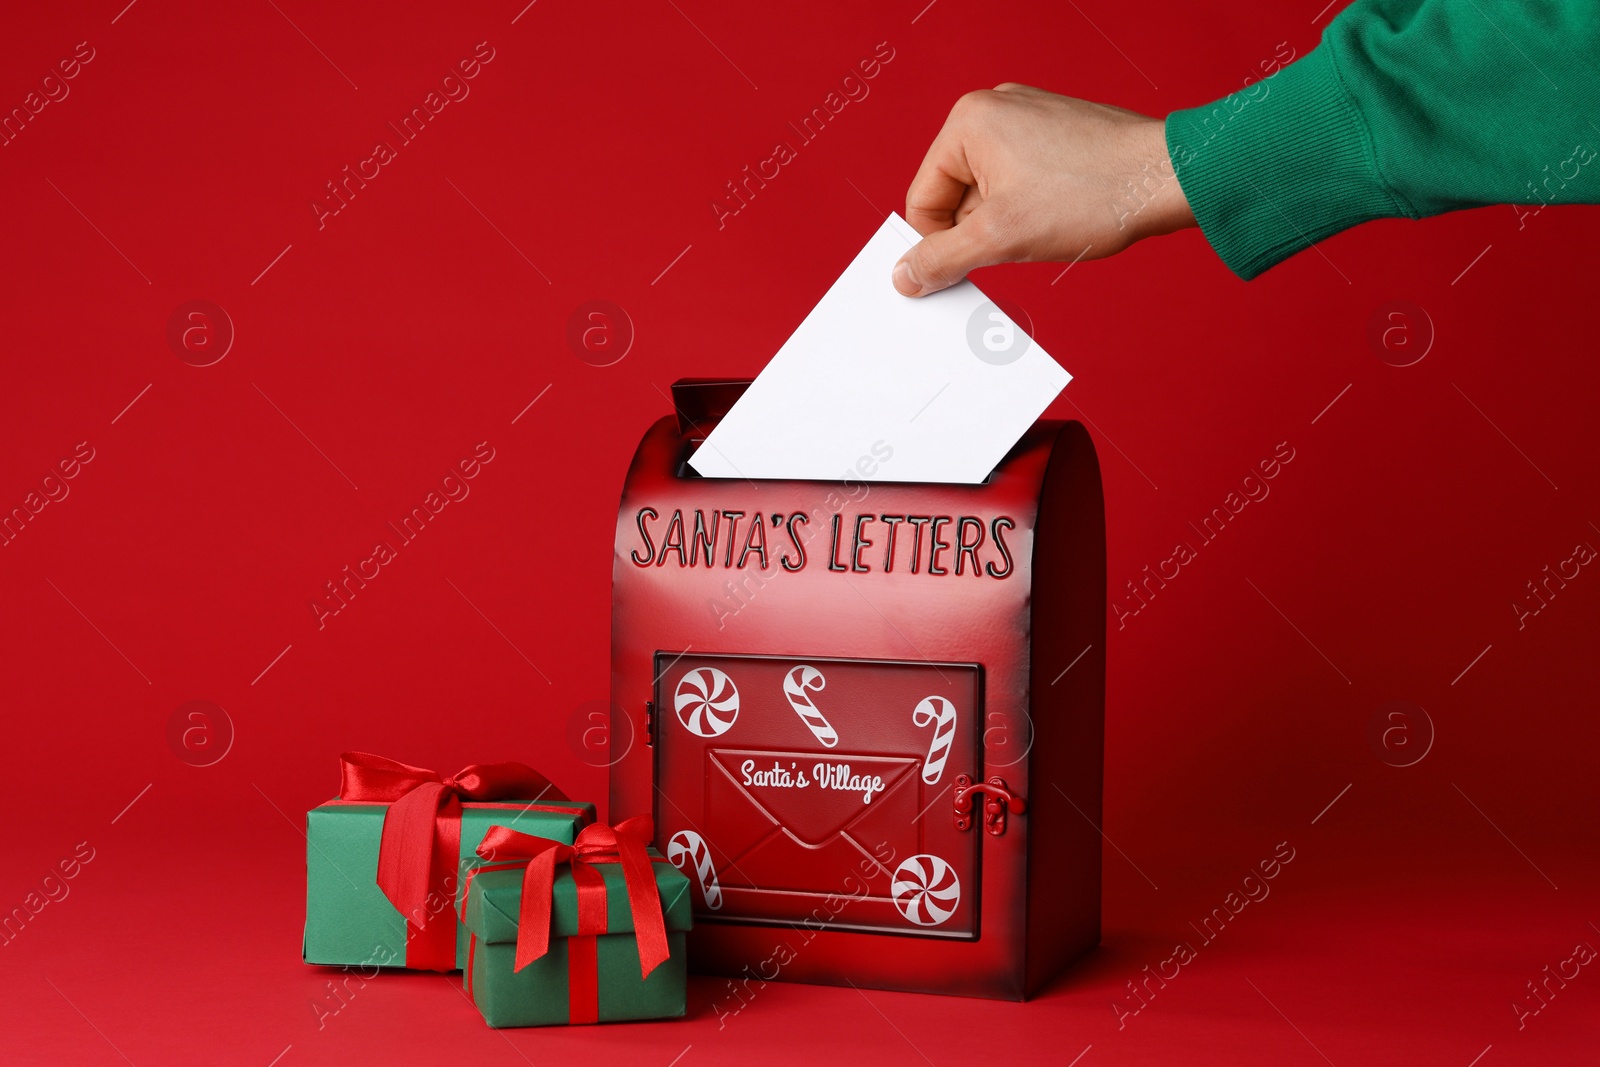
(626, 843)
(422, 837)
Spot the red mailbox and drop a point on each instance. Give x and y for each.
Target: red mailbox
(867, 716)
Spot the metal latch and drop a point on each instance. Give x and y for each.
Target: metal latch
(998, 799)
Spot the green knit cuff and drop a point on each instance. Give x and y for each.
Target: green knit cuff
(1278, 166)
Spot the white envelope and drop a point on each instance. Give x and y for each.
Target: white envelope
(877, 386)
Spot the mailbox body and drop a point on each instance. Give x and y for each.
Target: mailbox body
(803, 696)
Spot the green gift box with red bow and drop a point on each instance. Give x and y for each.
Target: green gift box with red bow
(581, 933)
(385, 860)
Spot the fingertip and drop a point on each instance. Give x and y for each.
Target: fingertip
(905, 282)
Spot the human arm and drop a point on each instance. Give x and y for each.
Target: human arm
(1408, 108)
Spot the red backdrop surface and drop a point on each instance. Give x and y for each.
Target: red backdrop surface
(1250, 697)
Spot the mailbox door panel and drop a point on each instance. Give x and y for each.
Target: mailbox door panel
(820, 790)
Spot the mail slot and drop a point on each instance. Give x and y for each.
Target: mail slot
(867, 716)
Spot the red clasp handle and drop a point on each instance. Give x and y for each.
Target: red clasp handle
(997, 801)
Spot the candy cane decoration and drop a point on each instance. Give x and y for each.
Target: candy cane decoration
(687, 845)
(707, 702)
(926, 890)
(942, 714)
(795, 684)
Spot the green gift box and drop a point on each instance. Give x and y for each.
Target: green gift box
(579, 978)
(350, 920)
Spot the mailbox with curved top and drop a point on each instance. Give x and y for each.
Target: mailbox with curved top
(867, 716)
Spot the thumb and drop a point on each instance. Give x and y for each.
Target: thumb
(944, 257)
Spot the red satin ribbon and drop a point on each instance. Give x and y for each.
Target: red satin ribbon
(626, 844)
(421, 842)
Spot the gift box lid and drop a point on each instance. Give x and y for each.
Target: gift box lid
(581, 808)
(495, 898)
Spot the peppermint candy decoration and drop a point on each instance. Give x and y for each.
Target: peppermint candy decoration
(687, 846)
(926, 890)
(942, 714)
(707, 702)
(795, 686)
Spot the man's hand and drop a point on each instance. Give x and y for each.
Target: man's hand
(1019, 175)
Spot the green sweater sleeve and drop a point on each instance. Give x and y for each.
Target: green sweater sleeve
(1408, 108)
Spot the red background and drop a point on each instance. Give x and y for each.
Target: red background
(379, 350)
